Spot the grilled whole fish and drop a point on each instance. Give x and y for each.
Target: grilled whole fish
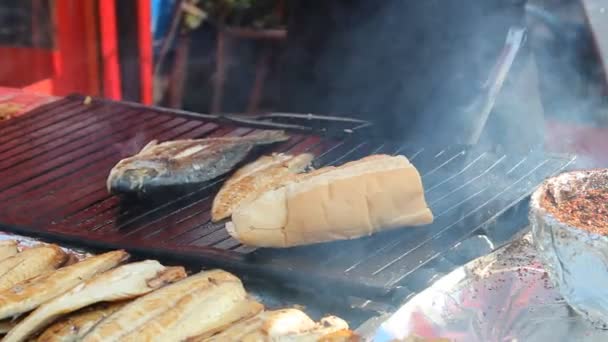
(183, 162)
(30, 263)
(252, 179)
(74, 326)
(198, 304)
(124, 282)
(30, 294)
(8, 248)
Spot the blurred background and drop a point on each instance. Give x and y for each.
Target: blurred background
(251, 56)
(175, 53)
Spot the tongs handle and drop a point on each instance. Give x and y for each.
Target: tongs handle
(492, 87)
(307, 117)
(303, 122)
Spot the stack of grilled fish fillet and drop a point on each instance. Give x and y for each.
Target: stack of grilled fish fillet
(45, 295)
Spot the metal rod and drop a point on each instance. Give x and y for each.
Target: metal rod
(483, 106)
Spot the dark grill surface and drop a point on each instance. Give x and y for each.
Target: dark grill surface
(54, 162)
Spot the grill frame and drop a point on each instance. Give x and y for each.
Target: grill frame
(65, 115)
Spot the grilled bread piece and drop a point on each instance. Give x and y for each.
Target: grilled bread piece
(356, 199)
(251, 180)
(198, 304)
(124, 282)
(30, 294)
(281, 325)
(8, 248)
(30, 263)
(73, 327)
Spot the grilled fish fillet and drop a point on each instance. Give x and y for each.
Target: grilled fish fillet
(30, 263)
(263, 327)
(202, 302)
(30, 294)
(253, 179)
(344, 335)
(323, 330)
(193, 315)
(280, 325)
(183, 162)
(73, 327)
(124, 282)
(6, 325)
(8, 248)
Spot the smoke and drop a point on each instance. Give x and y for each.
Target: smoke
(414, 67)
(571, 80)
(132, 145)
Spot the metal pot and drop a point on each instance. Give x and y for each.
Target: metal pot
(576, 260)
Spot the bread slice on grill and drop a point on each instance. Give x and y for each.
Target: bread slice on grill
(356, 199)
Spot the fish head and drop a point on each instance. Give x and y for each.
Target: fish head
(132, 175)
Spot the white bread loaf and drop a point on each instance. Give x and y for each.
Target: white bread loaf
(359, 198)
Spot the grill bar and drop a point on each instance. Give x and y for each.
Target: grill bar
(36, 118)
(54, 162)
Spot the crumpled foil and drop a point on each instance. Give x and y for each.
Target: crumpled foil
(504, 296)
(576, 260)
(27, 242)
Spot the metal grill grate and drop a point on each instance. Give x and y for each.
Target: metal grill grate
(54, 162)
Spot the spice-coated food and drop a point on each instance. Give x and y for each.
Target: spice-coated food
(586, 210)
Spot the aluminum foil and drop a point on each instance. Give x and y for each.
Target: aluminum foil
(576, 260)
(504, 296)
(27, 242)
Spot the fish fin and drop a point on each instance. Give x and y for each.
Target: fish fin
(149, 145)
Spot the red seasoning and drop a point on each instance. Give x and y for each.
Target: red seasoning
(587, 211)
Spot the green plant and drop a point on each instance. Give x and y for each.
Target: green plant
(241, 13)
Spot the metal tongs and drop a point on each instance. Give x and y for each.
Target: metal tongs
(309, 123)
(482, 106)
(301, 122)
